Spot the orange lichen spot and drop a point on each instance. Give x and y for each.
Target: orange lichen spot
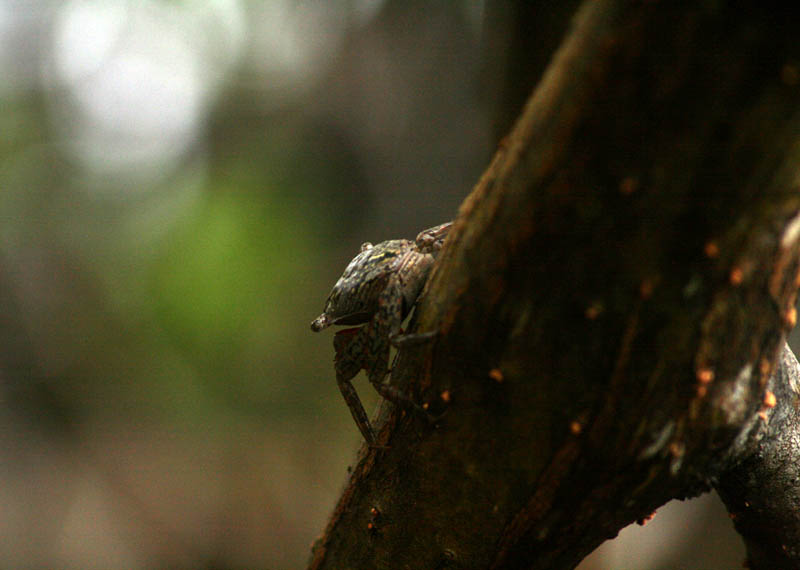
(791, 317)
(646, 289)
(593, 311)
(763, 415)
(374, 511)
(575, 427)
(702, 391)
(370, 526)
(711, 249)
(705, 375)
(628, 185)
(675, 449)
(496, 374)
(790, 74)
(445, 396)
(737, 276)
(425, 406)
(769, 399)
(764, 366)
(646, 519)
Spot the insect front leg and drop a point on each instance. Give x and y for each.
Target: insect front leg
(383, 330)
(350, 357)
(390, 314)
(394, 298)
(356, 408)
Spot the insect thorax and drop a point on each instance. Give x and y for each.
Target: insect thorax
(354, 298)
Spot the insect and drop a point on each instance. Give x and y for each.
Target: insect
(378, 289)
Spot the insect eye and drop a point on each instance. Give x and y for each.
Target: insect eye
(365, 246)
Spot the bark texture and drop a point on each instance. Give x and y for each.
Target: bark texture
(610, 306)
(761, 484)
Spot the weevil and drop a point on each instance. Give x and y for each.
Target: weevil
(377, 290)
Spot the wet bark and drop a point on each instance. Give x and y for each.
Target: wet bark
(610, 307)
(760, 483)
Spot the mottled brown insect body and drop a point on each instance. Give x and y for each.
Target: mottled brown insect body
(377, 289)
(354, 298)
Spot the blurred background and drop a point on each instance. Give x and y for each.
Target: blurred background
(181, 183)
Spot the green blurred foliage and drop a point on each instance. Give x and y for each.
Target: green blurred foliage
(226, 266)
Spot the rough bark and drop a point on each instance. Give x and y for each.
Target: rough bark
(610, 306)
(761, 481)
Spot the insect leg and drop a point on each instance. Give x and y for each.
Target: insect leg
(356, 408)
(390, 310)
(413, 339)
(431, 240)
(350, 358)
(399, 398)
(387, 321)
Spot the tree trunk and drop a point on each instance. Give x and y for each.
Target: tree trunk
(610, 306)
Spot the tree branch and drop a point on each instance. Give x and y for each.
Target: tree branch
(609, 304)
(761, 482)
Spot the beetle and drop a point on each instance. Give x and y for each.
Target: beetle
(377, 290)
